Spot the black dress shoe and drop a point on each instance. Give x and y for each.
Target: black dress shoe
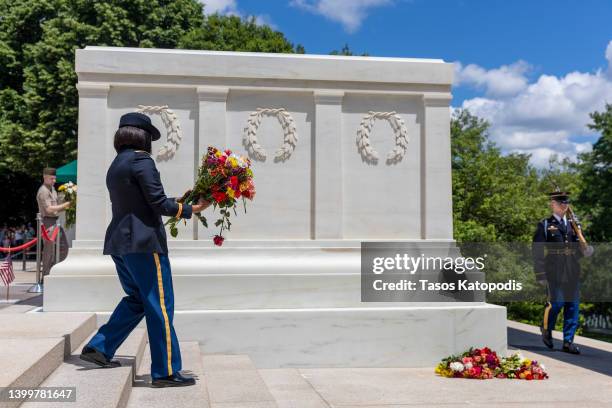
(570, 348)
(547, 337)
(174, 380)
(92, 355)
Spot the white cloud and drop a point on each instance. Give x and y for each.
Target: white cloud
(542, 117)
(349, 13)
(503, 81)
(230, 8)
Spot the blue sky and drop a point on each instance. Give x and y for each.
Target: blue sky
(533, 68)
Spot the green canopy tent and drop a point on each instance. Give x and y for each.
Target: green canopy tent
(67, 172)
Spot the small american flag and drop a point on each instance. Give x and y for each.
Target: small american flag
(6, 270)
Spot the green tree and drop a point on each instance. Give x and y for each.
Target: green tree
(596, 174)
(38, 39)
(346, 51)
(231, 33)
(495, 197)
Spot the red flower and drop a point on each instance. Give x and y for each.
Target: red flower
(218, 240)
(218, 196)
(234, 182)
(228, 151)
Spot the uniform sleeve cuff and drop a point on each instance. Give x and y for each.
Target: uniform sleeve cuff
(187, 211)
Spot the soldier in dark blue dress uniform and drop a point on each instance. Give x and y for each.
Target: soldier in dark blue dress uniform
(556, 254)
(136, 241)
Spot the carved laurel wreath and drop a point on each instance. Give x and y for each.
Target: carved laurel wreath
(399, 129)
(250, 134)
(174, 134)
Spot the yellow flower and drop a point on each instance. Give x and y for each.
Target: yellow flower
(527, 362)
(249, 172)
(233, 162)
(61, 188)
(230, 192)
(218, 153)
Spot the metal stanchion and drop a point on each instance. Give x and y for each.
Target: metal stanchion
(38, 288)
(57, 241)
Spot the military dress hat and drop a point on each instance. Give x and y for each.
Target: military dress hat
(560, 196)
(49, 171)
(141, 121)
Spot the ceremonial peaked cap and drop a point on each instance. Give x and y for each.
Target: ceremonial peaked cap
(141, 121)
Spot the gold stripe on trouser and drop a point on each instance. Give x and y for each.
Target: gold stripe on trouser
(163, 309)
(548, 307)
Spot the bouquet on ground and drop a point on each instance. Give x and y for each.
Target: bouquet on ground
(474, 363)
(485, 364)
(517, 366)
(70, 194)
(223, 179)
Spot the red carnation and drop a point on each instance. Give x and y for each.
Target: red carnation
(218, 196)
(218, 240)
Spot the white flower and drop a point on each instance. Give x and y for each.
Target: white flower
(543, 367)
(456, 366)
(468, 366)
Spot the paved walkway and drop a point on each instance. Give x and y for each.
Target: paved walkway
(575, 381)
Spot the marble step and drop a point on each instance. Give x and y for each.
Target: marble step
(18, 308)
(234, 382)
(143, 395)
(73, 327)
(98, 387)
(291, 389)
(26, 362)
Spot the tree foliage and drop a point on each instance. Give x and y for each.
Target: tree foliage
(596, 178)
(495, 197)
(38, 97)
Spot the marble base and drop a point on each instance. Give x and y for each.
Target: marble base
(344, 337)
(297, 305)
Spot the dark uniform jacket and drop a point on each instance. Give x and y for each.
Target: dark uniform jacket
(556, 252)
(138, 202)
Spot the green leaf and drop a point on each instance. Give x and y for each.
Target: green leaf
(203, 220)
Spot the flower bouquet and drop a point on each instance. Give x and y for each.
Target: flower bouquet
(517, 366)
(485, 364)
(70, 194)
(223, 178)
(474, 363)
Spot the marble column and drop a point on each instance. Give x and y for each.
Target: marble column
(95, 149)
(212, 108)
(328, 165)
(436, 181)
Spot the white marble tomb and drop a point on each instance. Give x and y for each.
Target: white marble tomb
(285, 286)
